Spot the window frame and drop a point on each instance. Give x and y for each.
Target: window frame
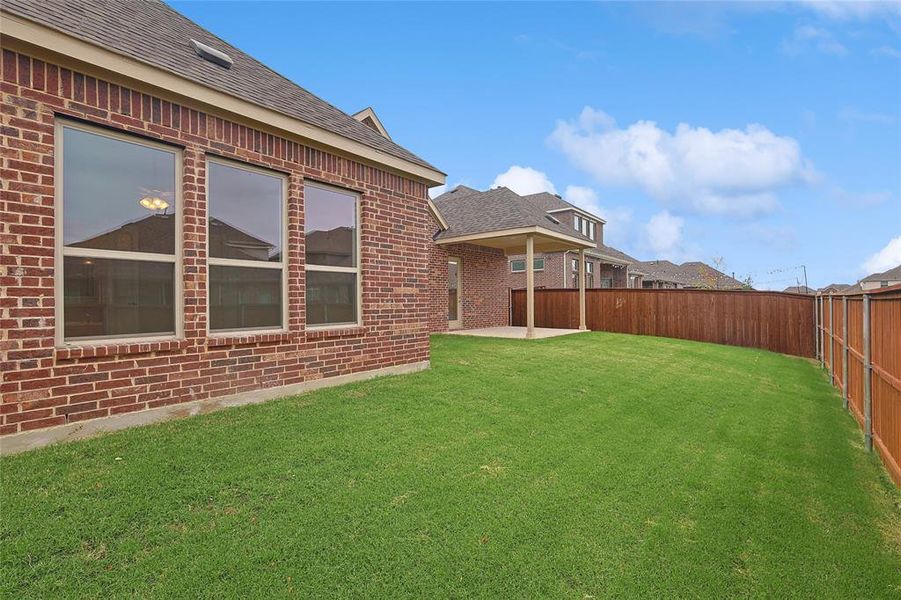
(61, 252)
(358, 270)
(237, 262)
(523, 261)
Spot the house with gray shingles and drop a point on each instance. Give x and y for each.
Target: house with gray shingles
(477, 236)
(605, 267)
(693, 275)
(799, 289)
(880, 280)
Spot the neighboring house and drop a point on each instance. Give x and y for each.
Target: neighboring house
(799, 289)
(476, 235)
(661, 274)
(604, 266)
(881, 280)
(695, 275)
(184, 224)
(832, 288)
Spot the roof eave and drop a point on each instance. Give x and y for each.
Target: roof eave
(474, 238)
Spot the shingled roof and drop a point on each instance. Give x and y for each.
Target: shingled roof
(552, 202)
(893, 274)
(694, 274)
(469, 212)
(153, 33)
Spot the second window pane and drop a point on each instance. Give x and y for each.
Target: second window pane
(331, 298)
(245, 214)
(330, 227)
(244, 297)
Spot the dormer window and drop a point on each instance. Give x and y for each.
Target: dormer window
(585, 227)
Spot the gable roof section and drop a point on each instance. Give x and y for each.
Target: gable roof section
(368, 117)
(152, 33)
(470, 212)
(660, 270)
(699, 274)
(553, 203)
(799, 289)
(611, 253)
(893, 274)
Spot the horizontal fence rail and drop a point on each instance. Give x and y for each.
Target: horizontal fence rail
(859, 344)
(771, 320)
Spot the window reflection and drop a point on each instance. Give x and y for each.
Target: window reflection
(105, 181)
(245, 214)
(330, 227)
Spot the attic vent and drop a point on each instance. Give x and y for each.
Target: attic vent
(211, 54)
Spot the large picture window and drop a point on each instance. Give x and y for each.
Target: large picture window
(331, 230)
(118, 204)
(245, 240)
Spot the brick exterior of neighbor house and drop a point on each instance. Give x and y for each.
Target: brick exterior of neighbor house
(485, 297)
(45, 384)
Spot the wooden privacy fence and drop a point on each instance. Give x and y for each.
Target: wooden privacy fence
(859, 343)
(771, 320)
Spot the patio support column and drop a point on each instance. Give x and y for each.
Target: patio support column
(530, 286)
(582, 290)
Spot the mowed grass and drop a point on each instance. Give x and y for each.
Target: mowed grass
(595, 465)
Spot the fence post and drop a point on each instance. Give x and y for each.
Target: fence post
(819, 312)
(845, 352)
(822, 331)
(867, 377)
(831, 342)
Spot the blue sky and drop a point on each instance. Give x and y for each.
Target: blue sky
(767, 134)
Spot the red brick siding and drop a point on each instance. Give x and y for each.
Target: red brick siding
(43, 385)
(619, 275)
(558, 272)
(550, 277)
(486, 298)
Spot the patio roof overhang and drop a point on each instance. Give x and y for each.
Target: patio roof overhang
(514, 241)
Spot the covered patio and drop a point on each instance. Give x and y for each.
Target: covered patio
(498, 220)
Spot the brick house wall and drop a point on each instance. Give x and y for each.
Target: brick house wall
(619, 275)
(43, 385)
(558, 272)
(485, 298)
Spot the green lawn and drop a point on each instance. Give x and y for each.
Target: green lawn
(585, 466)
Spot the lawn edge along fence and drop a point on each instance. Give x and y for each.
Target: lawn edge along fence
(859, 344)
(774, 321)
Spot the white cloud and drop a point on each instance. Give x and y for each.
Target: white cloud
(663, 236)
(886, 51)
(887, 258)
(853, 114)
(730, 171)
(524, 181)
(844, 10)
(436, 191)
(592, 119)
(618, 229)
(583, 197)
(808, 36)
(858, 199)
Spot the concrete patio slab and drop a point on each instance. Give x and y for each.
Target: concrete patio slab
(514, 333)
